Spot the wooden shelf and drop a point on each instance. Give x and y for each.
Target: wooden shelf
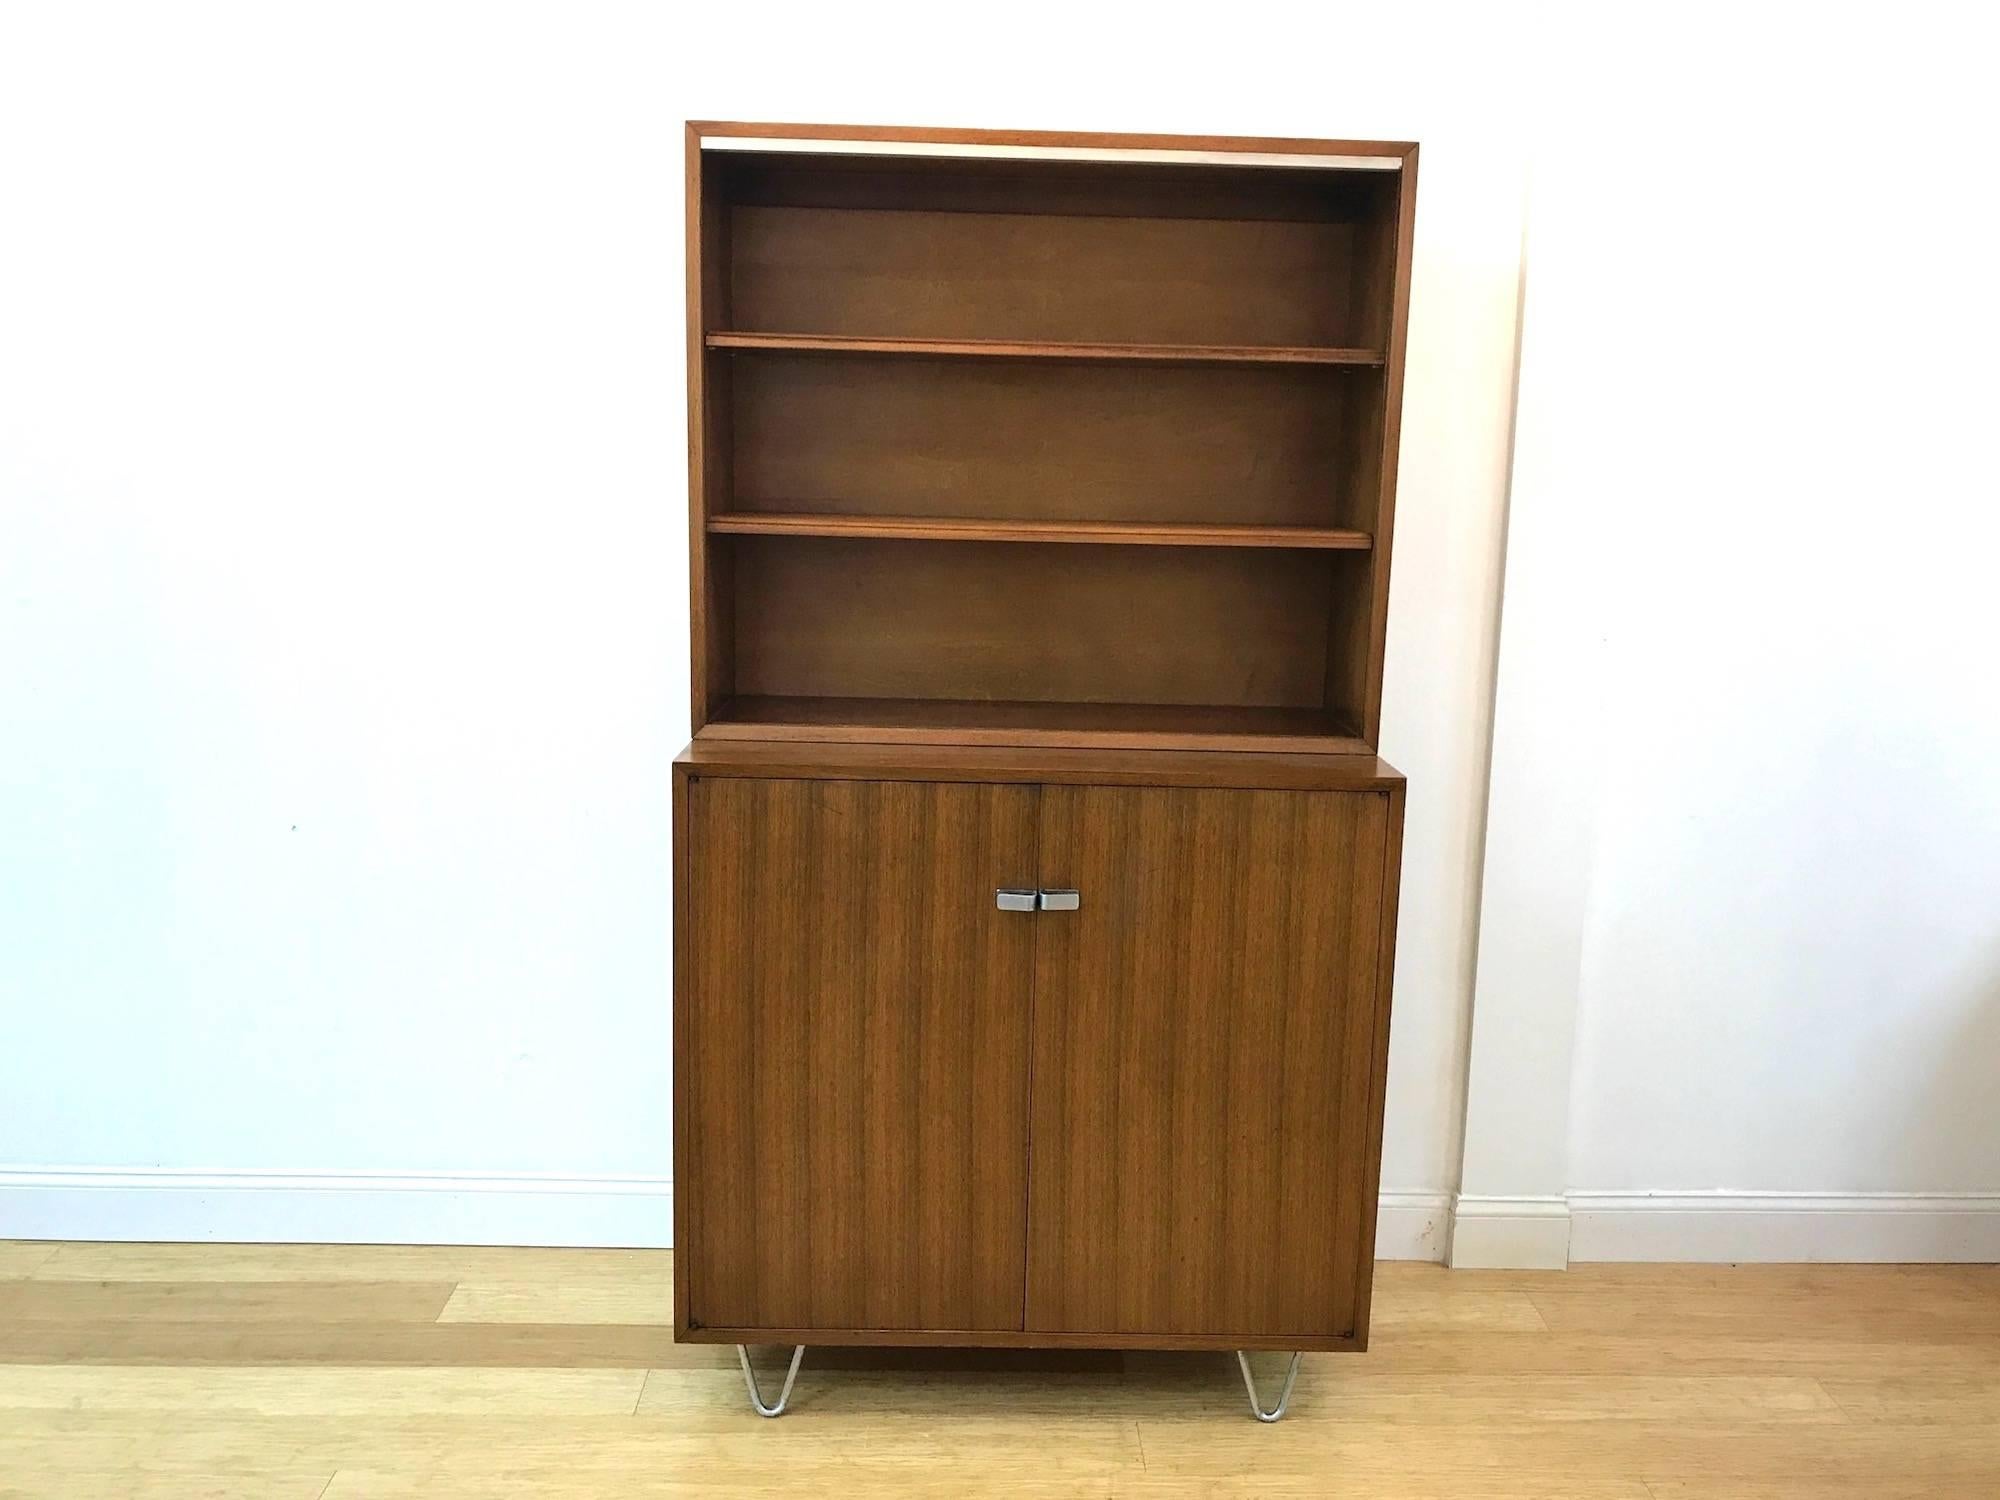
(994, 529)
(1132, 726)
(1204, 354)
(1174, 392)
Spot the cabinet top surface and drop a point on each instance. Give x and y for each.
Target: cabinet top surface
(1192, 768)
(1052, 144)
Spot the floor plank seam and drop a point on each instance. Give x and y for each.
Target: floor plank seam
(1847, 1418)
(1139, 1437)
(327, 1486)
(1541, 1314)
(640, 1399)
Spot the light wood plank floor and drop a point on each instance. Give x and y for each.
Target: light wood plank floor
(336, 1372)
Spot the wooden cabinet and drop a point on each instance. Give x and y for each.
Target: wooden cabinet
(1203, 1042)
(1041, 500)
(912, 1115)
(856, 1011)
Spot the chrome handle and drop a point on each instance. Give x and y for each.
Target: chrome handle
(1059, 900)
(1007, 898)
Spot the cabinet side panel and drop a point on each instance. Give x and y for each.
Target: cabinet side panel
(1393, 802)
(685, 1176)
(1203, 1040)
(711, 608)
(857, 1041)
(1354, 963)
(1390, 448)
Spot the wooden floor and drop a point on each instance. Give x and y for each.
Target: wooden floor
(340, 1372)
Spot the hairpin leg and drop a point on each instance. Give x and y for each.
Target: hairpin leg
(1250, 1386)
(784, 1396)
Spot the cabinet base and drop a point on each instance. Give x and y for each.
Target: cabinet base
(777, 1408)
(1257, 1408)
(1015, 1338)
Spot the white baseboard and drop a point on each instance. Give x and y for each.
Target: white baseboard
(1514, 1233)
(347, 1208)
(477, 1209)
(1730, 1226)
(1412, 1226)
(418, 1208)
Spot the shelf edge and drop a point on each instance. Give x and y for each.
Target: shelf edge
(998, 529)
(1042, 739)
(1031, 349)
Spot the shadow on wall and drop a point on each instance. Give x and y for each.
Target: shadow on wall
(1951, 1133)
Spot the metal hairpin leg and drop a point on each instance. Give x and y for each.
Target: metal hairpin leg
(1250, 1387)
(750, 1380)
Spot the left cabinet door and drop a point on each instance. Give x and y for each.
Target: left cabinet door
(852, 1054)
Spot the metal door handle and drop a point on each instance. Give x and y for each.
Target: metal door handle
(1063, 900)
(1009, 898)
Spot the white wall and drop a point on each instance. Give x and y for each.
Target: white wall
(1511, 1208)
(342, 591)
(1756, 544)
(342, 572)
(343, 644)
(1791, 977)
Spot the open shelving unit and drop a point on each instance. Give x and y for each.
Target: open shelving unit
(992, 446)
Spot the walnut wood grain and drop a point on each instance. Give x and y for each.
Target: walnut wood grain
(1110, 140)
(711, 407)
(875, 761)
(853, 1053)
(1031, 349)
(998, 722)
(1160, 354)
(1016, 1338)
(1389, 294)
(703, 217)
(1034, 278)
(1059, 441)
(1378, 1066)
(1040, 515)
(784, 178)
(972, 529)
(1204, 1047)
(1221, 627)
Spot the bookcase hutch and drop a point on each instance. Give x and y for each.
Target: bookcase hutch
(1035, 873)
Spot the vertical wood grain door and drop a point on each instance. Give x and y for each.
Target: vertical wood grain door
(855, 1052)
(1204, 1045)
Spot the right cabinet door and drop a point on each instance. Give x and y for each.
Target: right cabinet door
(1205, 1036)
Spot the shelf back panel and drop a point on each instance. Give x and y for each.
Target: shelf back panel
(820, 618)
(922, 274)
(1149, 189)
(1042, 441)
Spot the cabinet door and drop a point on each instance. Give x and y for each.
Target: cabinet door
(1204, 1045)
(854, 1014)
